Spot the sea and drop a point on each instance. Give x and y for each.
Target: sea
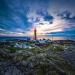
(28, 38)
(13, 38)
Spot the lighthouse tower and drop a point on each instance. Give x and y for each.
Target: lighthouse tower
(35, 34)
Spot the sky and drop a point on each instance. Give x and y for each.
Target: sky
(49, 17)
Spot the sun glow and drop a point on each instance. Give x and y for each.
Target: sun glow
(45, 27)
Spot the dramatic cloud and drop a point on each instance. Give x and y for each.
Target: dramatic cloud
(50, 17)
(67, 15)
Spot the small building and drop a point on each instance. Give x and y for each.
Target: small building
(43, 42)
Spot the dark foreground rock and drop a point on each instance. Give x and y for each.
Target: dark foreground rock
(27, 63)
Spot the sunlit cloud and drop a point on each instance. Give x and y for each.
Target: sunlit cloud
(21, 17)
(44, 27)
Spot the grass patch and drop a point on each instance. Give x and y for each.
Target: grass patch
(56, 48)
(13, 49)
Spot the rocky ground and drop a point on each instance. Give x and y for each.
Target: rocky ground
(38, 62)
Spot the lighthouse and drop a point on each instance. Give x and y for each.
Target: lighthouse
(35, 34)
